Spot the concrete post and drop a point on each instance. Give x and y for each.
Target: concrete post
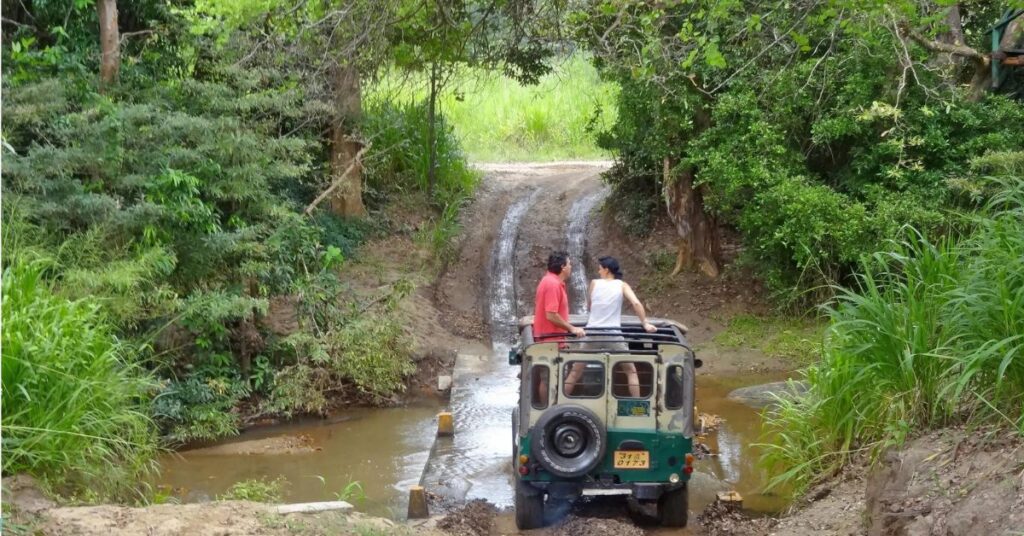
(417, 503)
(445, 424)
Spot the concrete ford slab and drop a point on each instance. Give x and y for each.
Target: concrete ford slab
(609, 414)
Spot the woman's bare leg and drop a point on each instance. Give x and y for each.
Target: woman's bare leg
(633, 379)
(574, 377)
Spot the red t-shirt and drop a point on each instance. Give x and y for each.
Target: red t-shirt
(551, 297)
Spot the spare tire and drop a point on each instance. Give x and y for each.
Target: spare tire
(568, 441)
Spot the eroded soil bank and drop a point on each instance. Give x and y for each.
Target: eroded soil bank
(951, 482)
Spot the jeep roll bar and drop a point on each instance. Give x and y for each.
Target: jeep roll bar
(640, 341)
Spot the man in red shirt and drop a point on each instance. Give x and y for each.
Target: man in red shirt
(551, 316)
(551, 309)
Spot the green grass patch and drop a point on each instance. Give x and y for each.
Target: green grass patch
(797, 339)
(498, 119)
(73, 395)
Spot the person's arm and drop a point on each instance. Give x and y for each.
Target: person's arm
(551, 295)
(558, 321)
(590, 292)
(638, 307)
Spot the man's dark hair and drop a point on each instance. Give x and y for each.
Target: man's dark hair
(556, 261)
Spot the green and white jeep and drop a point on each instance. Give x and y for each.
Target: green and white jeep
(610, 414)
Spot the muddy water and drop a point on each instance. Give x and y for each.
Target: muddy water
(502, 294)
(383, 449)
(733, 467)
(386, 449)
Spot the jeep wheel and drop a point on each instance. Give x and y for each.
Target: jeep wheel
(529, 507)
(568, 441)
(672, 507)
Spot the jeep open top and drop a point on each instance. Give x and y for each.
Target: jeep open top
(609, 414)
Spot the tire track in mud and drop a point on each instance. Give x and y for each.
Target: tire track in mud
(474, 463)
(576, 237)
(502, 302)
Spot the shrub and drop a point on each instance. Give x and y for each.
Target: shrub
(257, 490)
(74, 399)
(373, 352)
(194, 409)
(361, 350)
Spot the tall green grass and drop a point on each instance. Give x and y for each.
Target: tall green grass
(931, 334)
(73, 398)
(498, 119)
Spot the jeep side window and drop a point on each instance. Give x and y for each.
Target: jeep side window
(674, 387)
(632, 379)
(540, 376)
(583, 379)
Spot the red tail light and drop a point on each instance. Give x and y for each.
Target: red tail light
(524, 470)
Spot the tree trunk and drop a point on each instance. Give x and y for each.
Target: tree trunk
(110, 43)
(980, 82)
(432, 131)
(347, 199)
(955, 35)
(950, 65)
(698, 230)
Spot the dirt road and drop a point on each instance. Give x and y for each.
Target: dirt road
(462, 290)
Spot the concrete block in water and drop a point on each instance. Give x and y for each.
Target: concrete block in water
(445, 424)
(417, 503)
(444, 383)
(306, 508)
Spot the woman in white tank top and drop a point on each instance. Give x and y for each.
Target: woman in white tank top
(604, 301)
(605, 296)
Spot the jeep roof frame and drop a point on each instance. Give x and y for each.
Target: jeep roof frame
(669, 332)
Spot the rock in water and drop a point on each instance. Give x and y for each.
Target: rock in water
(759, 396)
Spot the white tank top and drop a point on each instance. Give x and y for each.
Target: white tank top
(606, 304)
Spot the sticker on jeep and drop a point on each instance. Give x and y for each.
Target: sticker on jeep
(634, 408)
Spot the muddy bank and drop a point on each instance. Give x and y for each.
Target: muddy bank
(27, 510)
(229, 518)
(954, 481)
(951, 482)
(297, 444)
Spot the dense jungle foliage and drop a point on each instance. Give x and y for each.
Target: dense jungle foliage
(816, 129)
(157, 223)
(863, 166)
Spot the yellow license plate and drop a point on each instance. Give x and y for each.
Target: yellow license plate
(632, 459)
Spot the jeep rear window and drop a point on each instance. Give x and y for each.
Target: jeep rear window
(540, 376)
(674, 387)
(632, 379)
(583, 379)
